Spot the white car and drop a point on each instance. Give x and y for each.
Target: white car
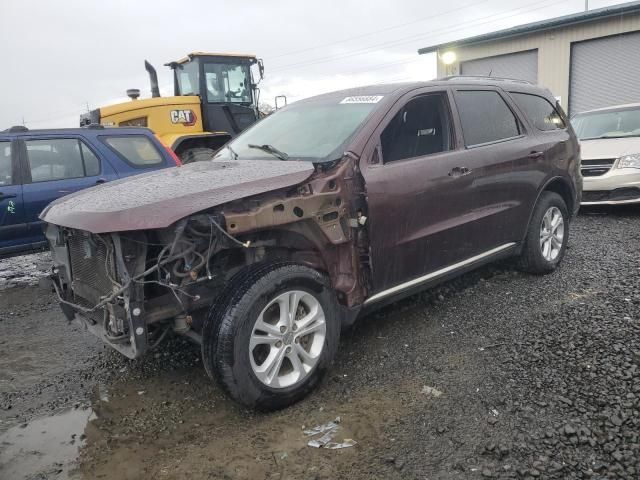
(610, 142)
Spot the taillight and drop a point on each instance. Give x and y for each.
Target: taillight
(171, 152)
(174, 156)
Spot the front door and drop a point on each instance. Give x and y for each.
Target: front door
(12, 219)
(418, 192)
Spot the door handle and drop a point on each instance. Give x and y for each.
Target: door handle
(8, 195)
(535, 155)
(459, 172)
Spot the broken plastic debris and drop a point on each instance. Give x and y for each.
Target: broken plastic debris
(348, 442)
(328, 431)
(323, 428)
(494, 412)
(324, 439)
(434, 392)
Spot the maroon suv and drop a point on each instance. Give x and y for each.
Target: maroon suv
(327, 208)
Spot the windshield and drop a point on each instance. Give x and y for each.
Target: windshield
(311, 131)
(228, 82)
(608, 124)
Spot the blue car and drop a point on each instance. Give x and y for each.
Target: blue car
(39, 166)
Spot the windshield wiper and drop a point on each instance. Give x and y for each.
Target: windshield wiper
(234, 155)
(271, 150)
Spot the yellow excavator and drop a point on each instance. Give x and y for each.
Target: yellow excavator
(215, 98)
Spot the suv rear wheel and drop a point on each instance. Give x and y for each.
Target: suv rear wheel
(272, 336)
(548, 234)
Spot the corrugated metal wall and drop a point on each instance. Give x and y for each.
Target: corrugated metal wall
(554, 49)
(521, 65)
(605, 72)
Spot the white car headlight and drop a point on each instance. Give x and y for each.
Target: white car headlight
(629, 161)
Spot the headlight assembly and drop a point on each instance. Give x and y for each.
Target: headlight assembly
(629, 161)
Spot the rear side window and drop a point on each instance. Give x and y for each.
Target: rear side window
(6, 169)
(136, 150)
(485, 117)
(59, 159)
(91, 162)
(539, 111)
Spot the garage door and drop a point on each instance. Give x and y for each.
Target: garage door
(521, 65)
(605, 72)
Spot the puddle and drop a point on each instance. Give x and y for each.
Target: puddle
(45, 448)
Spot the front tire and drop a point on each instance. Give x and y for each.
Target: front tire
(547, 236)
(271, 338)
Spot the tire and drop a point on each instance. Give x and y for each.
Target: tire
(542, 257)
(259, 292)
(196, 155)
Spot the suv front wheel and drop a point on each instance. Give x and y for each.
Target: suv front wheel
(272, 337)
(547, 236)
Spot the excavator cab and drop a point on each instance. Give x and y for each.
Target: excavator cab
(226, 86)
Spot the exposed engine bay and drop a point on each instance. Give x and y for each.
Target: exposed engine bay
(132, 288)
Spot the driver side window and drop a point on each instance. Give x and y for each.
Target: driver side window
(422, 127)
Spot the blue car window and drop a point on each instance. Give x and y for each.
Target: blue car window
(6, 171)
(91, 162)
(137, 150)
(54, 159)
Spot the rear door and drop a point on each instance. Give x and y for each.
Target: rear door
(505, 164)
(12, 218)
(55, 167)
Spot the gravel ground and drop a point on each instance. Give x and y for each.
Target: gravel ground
(493, 375)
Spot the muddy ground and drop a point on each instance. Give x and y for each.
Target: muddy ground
(496, 375)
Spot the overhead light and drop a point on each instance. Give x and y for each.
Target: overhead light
(448, 57)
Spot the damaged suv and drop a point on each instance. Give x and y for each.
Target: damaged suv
(328, 208)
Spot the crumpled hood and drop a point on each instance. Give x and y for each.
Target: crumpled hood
(160, 198)
(609, 147)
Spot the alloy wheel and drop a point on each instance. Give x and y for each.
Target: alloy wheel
(287, 339)
(551, 234)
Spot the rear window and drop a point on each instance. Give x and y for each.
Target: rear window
(539, 110)
(485, 117)
(136, 150)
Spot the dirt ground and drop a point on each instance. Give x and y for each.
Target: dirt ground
(496, 375)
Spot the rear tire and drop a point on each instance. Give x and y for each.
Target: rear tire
(196, 155)
(263, 356)
(546, 240)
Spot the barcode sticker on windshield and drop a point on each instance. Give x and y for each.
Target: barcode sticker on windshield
(363, 99)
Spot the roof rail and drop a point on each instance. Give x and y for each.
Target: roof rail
(17, 128)
(94, 126)
(482, 77)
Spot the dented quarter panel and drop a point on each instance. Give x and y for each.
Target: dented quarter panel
(158, 199)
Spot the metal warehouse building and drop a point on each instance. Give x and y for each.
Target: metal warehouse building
(588, 60)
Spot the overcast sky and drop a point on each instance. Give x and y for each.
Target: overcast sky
(60, 56)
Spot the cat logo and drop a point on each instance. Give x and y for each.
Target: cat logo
(185, 117)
